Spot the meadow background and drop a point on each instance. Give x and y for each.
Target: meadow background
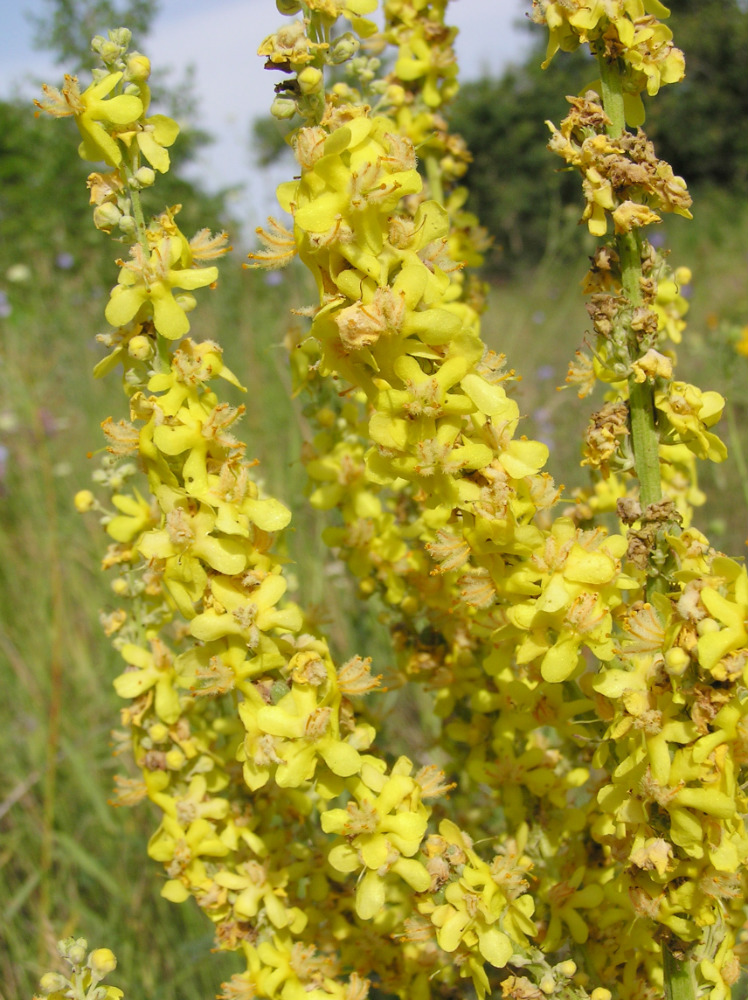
(69, 862)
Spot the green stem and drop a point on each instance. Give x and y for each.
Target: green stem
(137, 214)
(137, 207)
(678, 974)
(644, 436)
(433, 173)
(163, 354)
(612, 95)
(679, 980)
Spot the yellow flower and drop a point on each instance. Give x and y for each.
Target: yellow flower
(150, 282)
(309, 730)
(136, 516)
(153, 668)
(419, 59)
(690, 411)
(183, 846)
(186, 542)
(91, 109)
(245, 611)
(153, 136)
(255, 887)
(331, 10)
(383, 826)
(732, 614)
(565, 900)
(474, 914)
(652, 55)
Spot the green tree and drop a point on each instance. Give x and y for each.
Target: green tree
(701, 126)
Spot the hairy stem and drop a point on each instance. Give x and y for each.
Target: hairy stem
(644, 437)
(433, 173)
(679, 979)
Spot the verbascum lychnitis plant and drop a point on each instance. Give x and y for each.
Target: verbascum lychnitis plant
(576, 826)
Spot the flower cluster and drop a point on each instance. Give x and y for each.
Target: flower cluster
(629, 30)
(622, 175)
(87, 970)
(445, 510)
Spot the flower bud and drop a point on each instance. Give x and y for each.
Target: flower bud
(409, 604)
(283, 108)
(101, 962)
(52, 982)
(110, 52)
(325, 417)
(310, 80)
(140, 347)
(396, 94)
(175, 759)
(288, 7)
(121, 37)
(74, 950)
(120, 586)
(278, 690)
(600, 993)
(707, 625)
(144, 177)
(547, 984)
(567, 968)
(108, 49)
(138, 68)
(106, 216)
(185, 301)
(84, 500)
(127, 225)
(343, 48)
(676, 661)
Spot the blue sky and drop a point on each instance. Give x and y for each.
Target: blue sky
(219, 38)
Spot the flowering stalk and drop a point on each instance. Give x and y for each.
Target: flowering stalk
(623, 176)
(641, 401)
(511, 603)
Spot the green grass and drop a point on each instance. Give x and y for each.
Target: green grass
(69, 863)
